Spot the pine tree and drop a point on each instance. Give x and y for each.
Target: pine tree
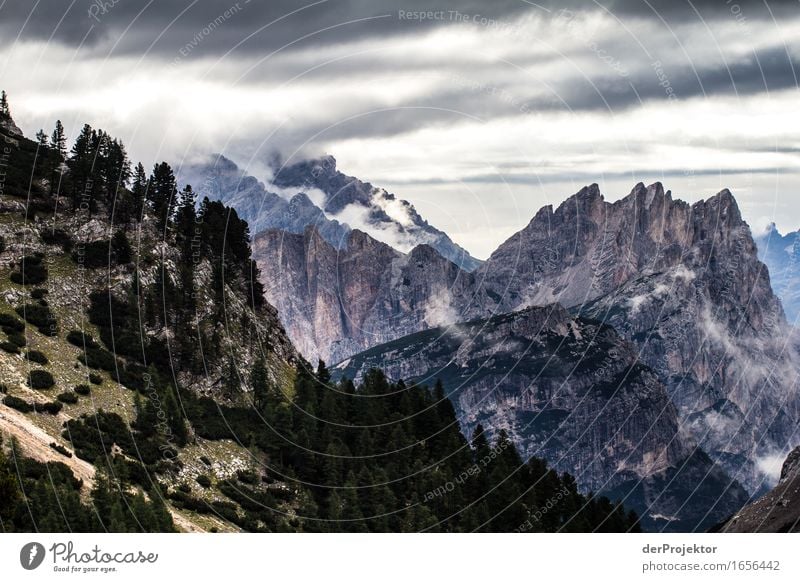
(175, 418)
(121, 248)
(59, 140)
(162, 194)
(9, 491)
(41, 139)
(186, 222)
(85, 180)
(4, 110)
(260, 384)
(139, 192)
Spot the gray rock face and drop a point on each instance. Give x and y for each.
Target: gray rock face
(781, 253)
(685, 284)
(572, 391)
(778, 510)
(682, 282)
(336, 302)
(386, 214)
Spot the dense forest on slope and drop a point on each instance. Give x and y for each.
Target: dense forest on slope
(136, 335)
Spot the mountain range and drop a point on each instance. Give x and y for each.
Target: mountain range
(682, 283)
(319, 195)
(636, 347)
(146, 385)
(781, 253)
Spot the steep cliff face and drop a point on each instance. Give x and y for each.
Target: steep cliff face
(781, 253)
(338, 302)
(687, 287)
(587, 248)
(570, 390)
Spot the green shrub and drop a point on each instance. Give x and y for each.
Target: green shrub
(57, 237)
(79, 339)
(98, 359)
(185, 487)
(31, 271)
(83, 389)
(17, 339)
(3, 389)
(48, 407)
(9, 347)
(37, 357)
(93, 436)
(96, 379)
(9, 323)
(40, 380)
(247, 477)
(204, 481)
(40, 316)
(58, 448)
(18, 404)
(205, 460)
(93, 255)
(38, 293)
(68, 398)
(2, 244)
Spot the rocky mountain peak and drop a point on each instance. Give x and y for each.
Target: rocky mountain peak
(423, 252)
(315, 171)
(8, 126)
(722, 206)
(586, 196)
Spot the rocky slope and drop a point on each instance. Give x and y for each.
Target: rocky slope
(778, 510)
(572, 391)
(95, 332)
(781, 253)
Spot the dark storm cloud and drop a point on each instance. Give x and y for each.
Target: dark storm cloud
(177, 21)
(533, 178)
(764, 71)
(167, 25)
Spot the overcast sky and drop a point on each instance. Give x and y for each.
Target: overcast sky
(477, 112)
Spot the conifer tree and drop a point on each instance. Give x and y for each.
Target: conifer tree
(162, 194)
(121, 248)
(4, 110)
(9, 491)
(260, 384)
(85, 182)
(59, 140)
(41, 139)
(138, 192)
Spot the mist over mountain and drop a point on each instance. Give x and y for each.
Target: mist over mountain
(781, 253)
(315, 193)
(570, 390)
(682, 282)
(148, 386)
